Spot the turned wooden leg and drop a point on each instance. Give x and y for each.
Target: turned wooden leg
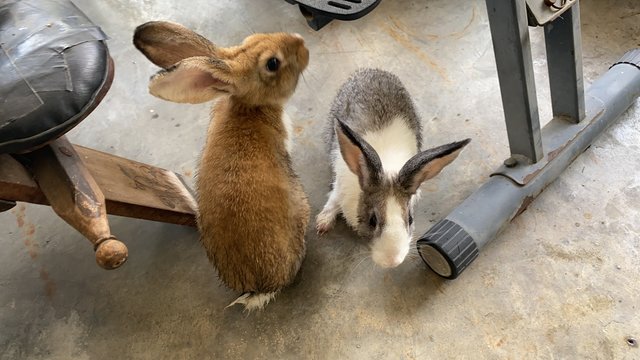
(75, 196)
(68, 176)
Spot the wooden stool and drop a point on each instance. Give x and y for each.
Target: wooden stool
(50, 83)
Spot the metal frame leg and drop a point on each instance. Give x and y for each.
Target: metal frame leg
(512, 48)
(454, 242)
(564, 48)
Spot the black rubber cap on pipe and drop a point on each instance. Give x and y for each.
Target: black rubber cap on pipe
(447, 249)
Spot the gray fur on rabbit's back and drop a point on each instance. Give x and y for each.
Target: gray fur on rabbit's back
(369, 100)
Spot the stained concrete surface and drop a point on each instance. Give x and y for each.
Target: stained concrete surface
(560, 282)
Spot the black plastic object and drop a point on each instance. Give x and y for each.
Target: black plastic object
(320, 12)
(447, 249)
(54, 67)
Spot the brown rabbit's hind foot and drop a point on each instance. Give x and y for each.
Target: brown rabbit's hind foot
(253, 301)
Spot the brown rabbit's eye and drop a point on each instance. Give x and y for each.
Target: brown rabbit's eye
(273, 64)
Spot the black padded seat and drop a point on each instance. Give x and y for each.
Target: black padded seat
(54, 70)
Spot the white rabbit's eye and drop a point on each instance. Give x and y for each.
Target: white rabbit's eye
(373, 221)
(410, 219)
(273, 64)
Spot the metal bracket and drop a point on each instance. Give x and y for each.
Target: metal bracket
(555, 137)
(541, 12)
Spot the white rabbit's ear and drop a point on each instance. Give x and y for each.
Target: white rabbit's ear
(427, 164)
(193, 80)
(360, 157)
(165, 43)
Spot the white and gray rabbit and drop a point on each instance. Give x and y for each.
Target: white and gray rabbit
(375, 141)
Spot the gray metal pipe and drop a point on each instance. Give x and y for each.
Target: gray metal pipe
(453, 243)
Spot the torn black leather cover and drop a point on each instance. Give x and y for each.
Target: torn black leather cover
(53, 64)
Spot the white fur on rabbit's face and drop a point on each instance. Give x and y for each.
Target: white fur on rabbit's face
(395, 145)
(392, 246)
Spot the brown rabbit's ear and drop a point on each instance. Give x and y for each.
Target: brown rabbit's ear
(427, 164)
(165, 43)
(193, 80)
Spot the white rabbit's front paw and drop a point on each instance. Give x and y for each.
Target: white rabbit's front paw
(325, 221)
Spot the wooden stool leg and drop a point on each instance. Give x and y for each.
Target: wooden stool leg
(74, 195)
(6, 205)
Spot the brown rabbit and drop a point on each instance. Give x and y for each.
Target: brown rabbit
(253, 212)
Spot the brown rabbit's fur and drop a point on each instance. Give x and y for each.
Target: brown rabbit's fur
(253, 212)
(271, 211)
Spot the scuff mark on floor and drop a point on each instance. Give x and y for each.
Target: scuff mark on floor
(435, 37)
(404, 40)
(49, 284)
(28, 230)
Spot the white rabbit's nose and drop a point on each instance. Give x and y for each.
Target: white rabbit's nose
(387, 261)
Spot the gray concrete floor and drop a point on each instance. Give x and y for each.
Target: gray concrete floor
(560, 282)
